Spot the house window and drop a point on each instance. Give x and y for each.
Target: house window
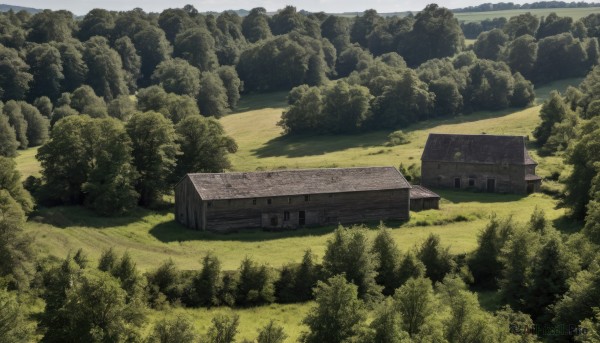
(471, 182)
(269, 201)
(457, 182)
(307, 198)
(254, 201)
(286, 216)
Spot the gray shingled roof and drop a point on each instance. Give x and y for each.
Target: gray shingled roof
(487, 149)
(218, 186)
(420, 192)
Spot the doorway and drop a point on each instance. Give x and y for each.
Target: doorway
(530, 187)
(491, 185)
(301, 218)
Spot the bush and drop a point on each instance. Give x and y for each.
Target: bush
(397, 138)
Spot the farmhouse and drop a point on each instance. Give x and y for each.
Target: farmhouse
(291, 198)
(479, 162)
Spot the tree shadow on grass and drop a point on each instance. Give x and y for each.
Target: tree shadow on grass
(312, 145)
(567, 225)
(79, 216)
(172, 231)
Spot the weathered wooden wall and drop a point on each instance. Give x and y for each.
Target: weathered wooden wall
(320, 209)
(509, 178)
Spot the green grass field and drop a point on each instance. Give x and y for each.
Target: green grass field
(575, 13)
(152, 236)
(251, 319)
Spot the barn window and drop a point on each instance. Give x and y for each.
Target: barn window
(457, 182)
(269, 201)
(286, 216)
(209, 204)
(471, 182)
(254, 201)
(289, 200)
(307, 198)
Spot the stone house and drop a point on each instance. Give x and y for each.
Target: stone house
(488, 163)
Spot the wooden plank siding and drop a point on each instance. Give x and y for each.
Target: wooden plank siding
(320, 209)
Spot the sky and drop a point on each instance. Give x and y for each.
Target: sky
(331, 6)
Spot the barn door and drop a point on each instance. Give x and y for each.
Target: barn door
(491, 185)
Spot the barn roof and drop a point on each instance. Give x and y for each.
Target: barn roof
(218, 186)
(485, 149)
(420, 192)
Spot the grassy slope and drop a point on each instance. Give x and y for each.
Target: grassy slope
(152, 237)
(574, 13)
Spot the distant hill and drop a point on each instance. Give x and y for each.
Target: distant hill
(6, 8)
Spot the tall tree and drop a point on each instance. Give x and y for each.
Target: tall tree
(490, 44)
(37, 125)
(197, 46)
(255, 285)
(204, 146)
(14, 75)
(154, 154)
(153, 48)
(105, 73)
(14, 326)
(178, 76)
(46, 67)
(232, 84)
(12, 110)
(388, 256)
(131, 61)
(255, 25)
(522, 54)
(15, 248)
(437, 259)
(553, 112)
(8, 138)
(208, 282)
(47, 26)
(74, 67)
(437, 32)
(348, 253)
(338, 316)
(416, 303)
(109, 188)
(212, 100)
(346, 106)
(97, 22)
(64, 160)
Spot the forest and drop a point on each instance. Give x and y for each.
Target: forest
(120, 105)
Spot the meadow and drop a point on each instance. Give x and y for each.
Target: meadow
(151, 237)
(575, 13)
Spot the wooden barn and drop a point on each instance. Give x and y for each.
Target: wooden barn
(422, 198)
(291, 198)
(486, 163)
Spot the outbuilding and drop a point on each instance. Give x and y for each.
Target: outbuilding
(291, 198)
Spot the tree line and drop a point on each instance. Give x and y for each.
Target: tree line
(570, 128)
(543, 277)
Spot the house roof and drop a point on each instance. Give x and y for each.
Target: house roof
(483, 149)
(218, 186)
(420, 192)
